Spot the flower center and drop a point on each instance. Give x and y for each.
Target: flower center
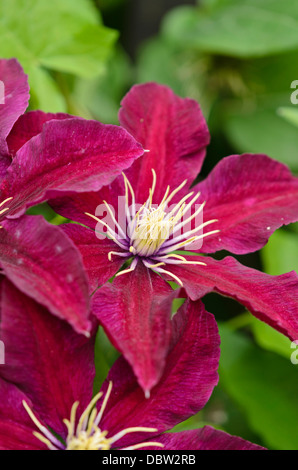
(154, 233)
(152, 228)
(87, 435)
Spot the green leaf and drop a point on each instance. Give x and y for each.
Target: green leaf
(265, 385)
(280, 255)
(84, 54)
(250, 119)
(246, 28)
(101, 97)
(289, 114)
(270, 339)
(263, 131)
(44, 91)
(156, 52)
(182, 70)
(64, 36)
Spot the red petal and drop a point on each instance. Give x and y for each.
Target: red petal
(251, 196)
(94, 253)
(135, 311)
(272, 299)
(16, 98)
(205, 438)
(45, 358)
(43, 263)
(16, 428)
(189, 377)
(27, 126)
(175, 132)
(69, 155)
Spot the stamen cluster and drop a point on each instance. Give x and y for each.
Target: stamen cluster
(153, 234)
(87, 435)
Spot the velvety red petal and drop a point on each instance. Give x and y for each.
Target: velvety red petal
(205, 438)
(251, 196)
(27, 126)
(45, 358)
(272, 299)
(68, 155)
(5, 162)
(45, 264)
(136, 311)
(14, 85)
(175, 132)
(189, 377)
(16, 428)
(94, 253)
(73, 206)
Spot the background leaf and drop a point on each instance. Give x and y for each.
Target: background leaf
(65, 36)
(290, 114)
(246, 28)
(264, 385)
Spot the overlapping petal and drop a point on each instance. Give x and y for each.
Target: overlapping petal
(205, 438)
(68, 155)
(136, 313)
(272, 299)
(73, 206)
(94, 253)
(27, 126)
(174, 131)
(5, 161)
(14, 84)
(16, 428)
(189, 377)
(44, 358)
(52, 368)
(251, 196)
(43, 263)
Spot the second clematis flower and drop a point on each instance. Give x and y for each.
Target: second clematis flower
(46, 386)
(243, 200)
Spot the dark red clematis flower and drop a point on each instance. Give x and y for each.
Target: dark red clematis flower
(37, 257)
(243, 200)
(46, 386)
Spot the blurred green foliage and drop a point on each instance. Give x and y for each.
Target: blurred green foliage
(289, 114)
(236, 28)
(238, 58)
(265, 386)
(55, 36)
